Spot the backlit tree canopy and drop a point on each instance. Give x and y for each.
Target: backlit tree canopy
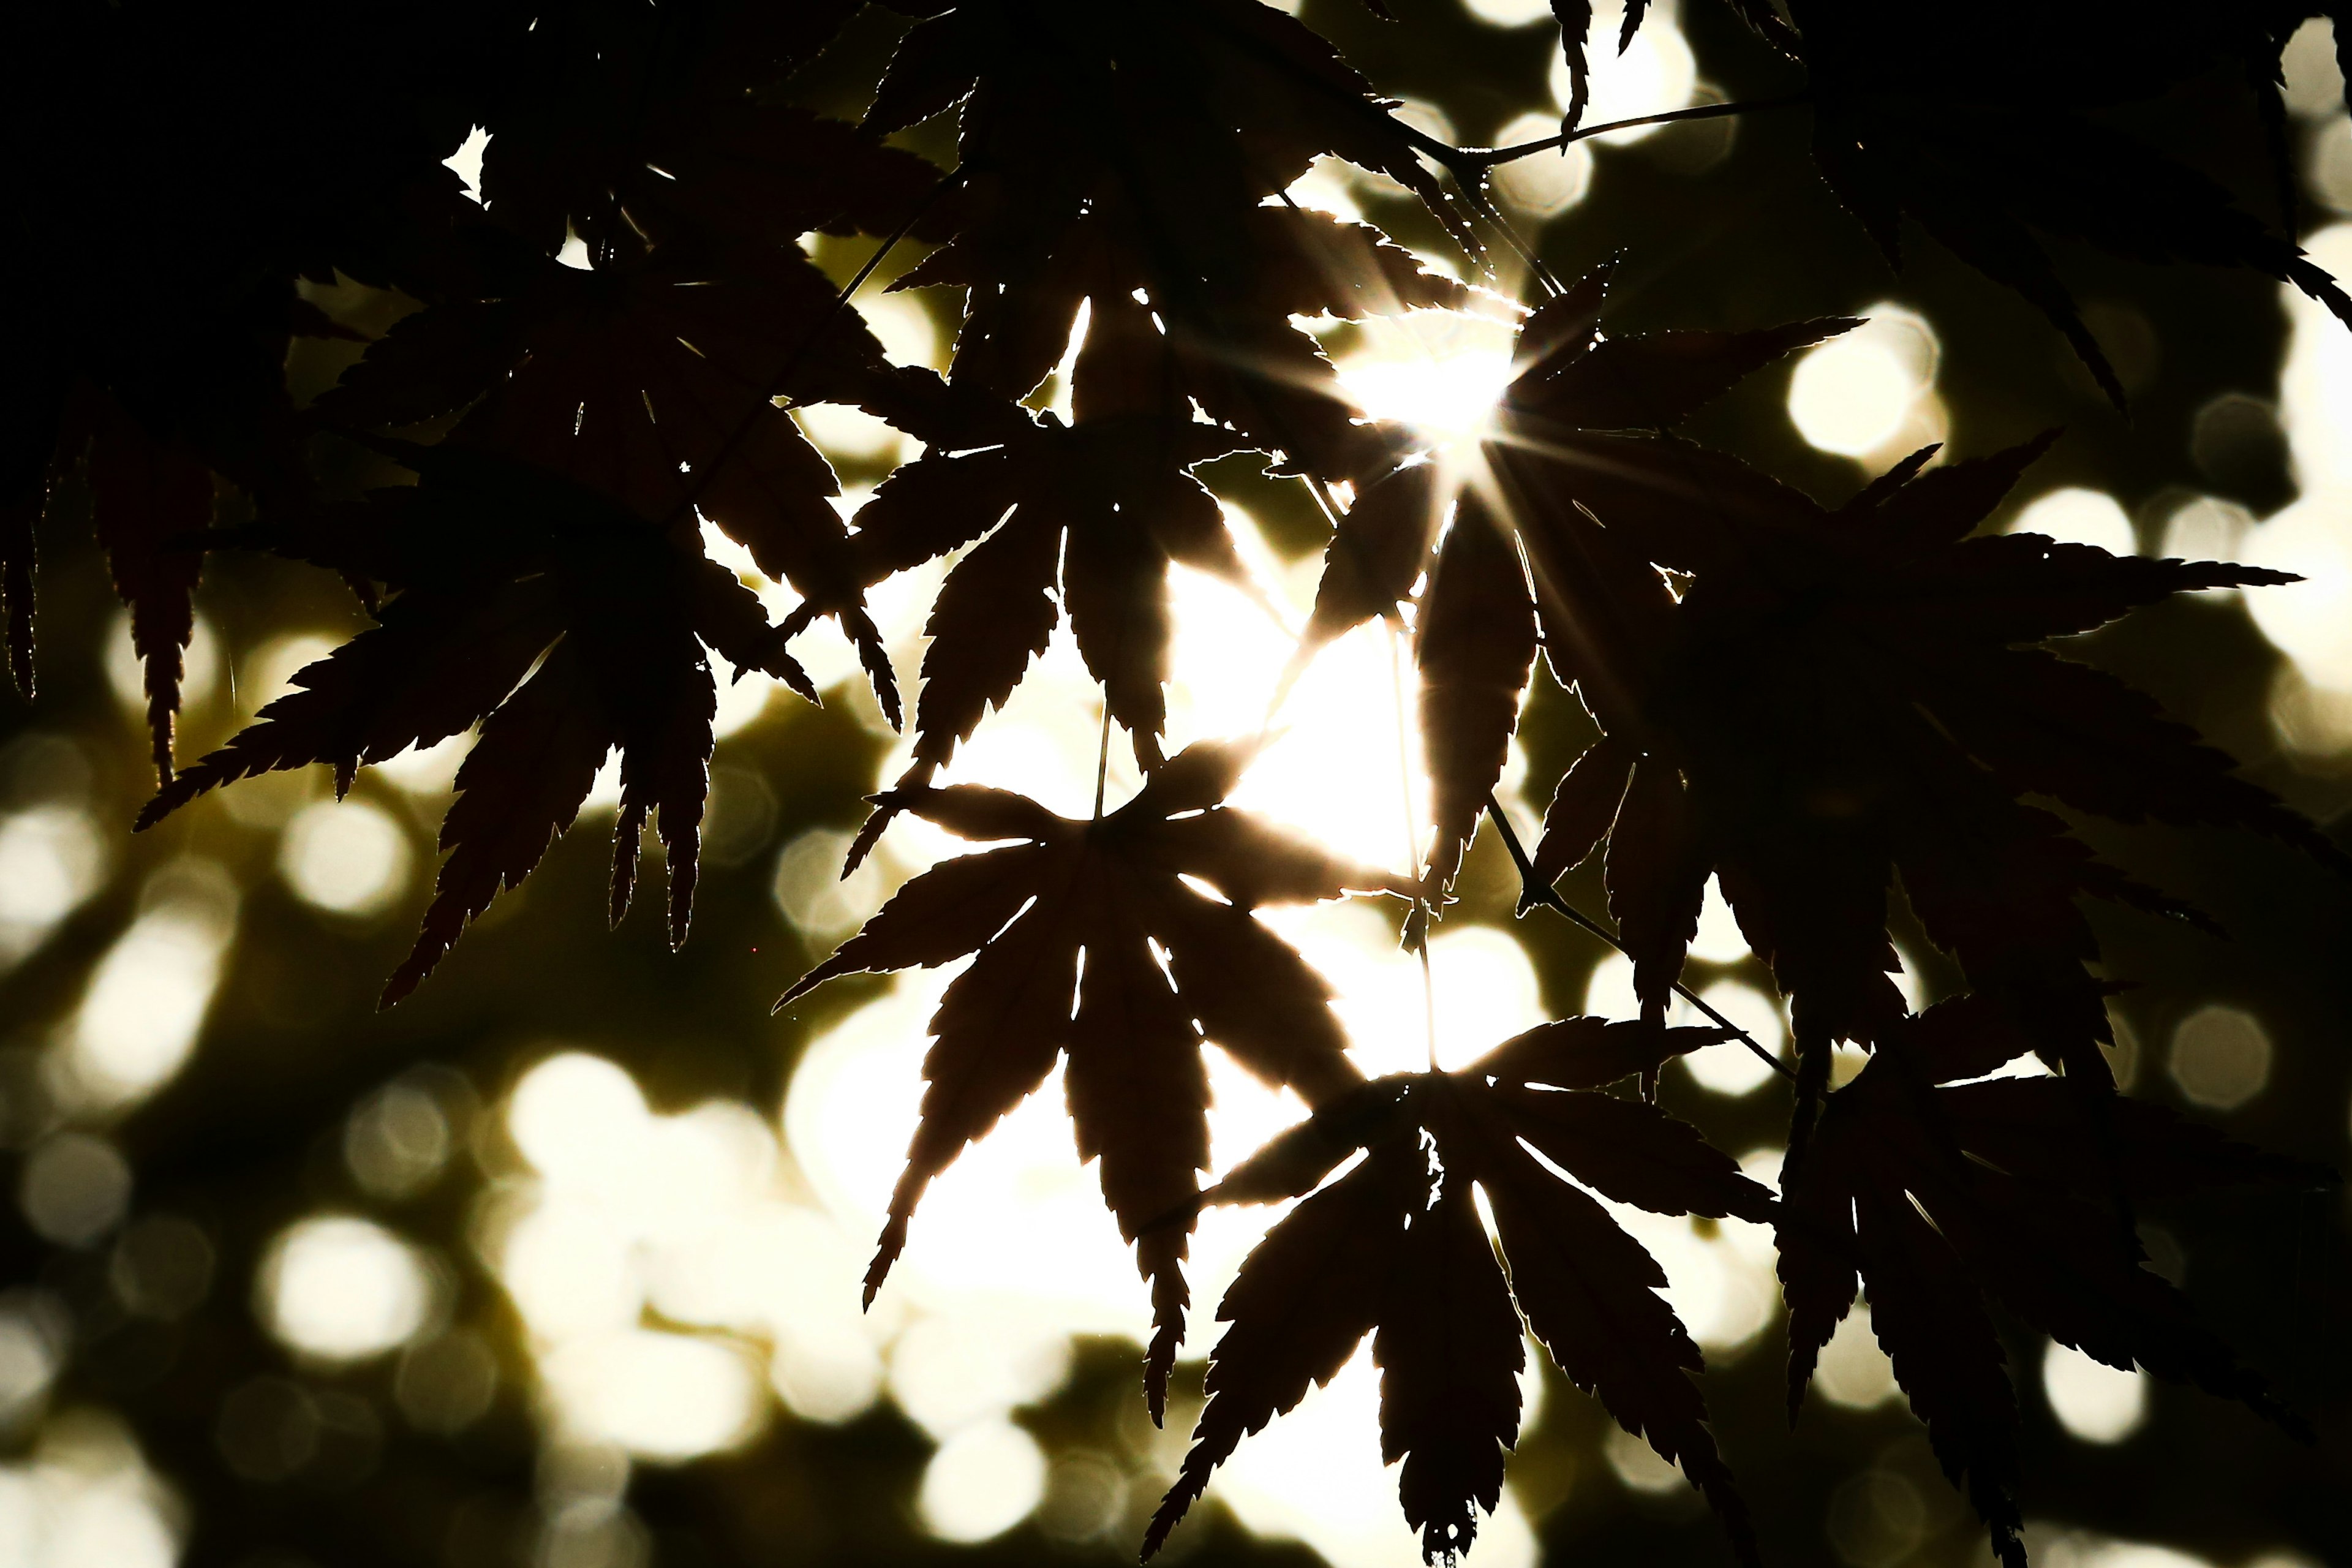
(1559, 686)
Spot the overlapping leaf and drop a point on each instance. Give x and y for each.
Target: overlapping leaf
(1835, 697)
(653, 376)
(1097, 510)
(1103, 909)
(1972, 121)
(1117, 149)
(1395, 1248)
(1477, 632)
(564, 627)
(139, 120)
(1942, 1201)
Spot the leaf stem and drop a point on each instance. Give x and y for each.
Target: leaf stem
(1102, 757)
(1483, 158)
(1538, 892)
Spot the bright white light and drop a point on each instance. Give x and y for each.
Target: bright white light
(2310, 621)
(147, 998)
(740, 700)
(1438, 371)
(86, 1497)
(467, 161)
(1485, 988)
(2094, 1401)
(1656, 74)
(343, 1288)
(1730, 1067)
(1324, 188)
(51, 859)
(1509, 12)
(429, 770)
(841, 431)
(1866, 393)
(907, 333)
(578, 1120)
(1718, 940)
(1315, 1475)
(660, 1395)
(347, 856)
(981, 1482)
(1853, 1372)
(2077, 516)
(570, 1270)
(949, 1371)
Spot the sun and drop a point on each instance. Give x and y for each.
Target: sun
(1440, 372)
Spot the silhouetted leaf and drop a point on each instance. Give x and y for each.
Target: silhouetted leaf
(1951, 117)
(502, 574)
(1939, 1200)
(1396, 1245)
(1115, 890)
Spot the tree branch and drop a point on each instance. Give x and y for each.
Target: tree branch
(1536, 892)
(1480, 159)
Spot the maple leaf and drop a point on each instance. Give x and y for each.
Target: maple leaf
(1394, 1248)
(653, 379)
(1968, 121)
(1476, 637)
(1104, 908)
(1099, 508)
(1936, 1197)
(1139, 151)
(163, 121)
(602, 103)
(1575, 19)
(563, 625)
(1833, 699)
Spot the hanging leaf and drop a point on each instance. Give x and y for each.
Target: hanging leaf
(564, 626)
(1941, 1201)
(1157, 967)
(1395, 1248)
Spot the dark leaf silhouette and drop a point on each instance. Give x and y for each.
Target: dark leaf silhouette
(1482, 618)
(1942, 1201)
(1157, 967)
(564, 627)
(653, 378)
(1826, 709)
(1940, 115)
(1137, 153)
(1836, 698)
(1097, 510)
(1395, 1248)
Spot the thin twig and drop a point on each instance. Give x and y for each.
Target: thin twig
(1544, 894)
(1412, 846)
(1102, 757)
(1483, 158)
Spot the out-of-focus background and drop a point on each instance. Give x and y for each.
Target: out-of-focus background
(557, 1264)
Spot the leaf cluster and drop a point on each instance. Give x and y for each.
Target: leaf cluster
(1836, 712)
